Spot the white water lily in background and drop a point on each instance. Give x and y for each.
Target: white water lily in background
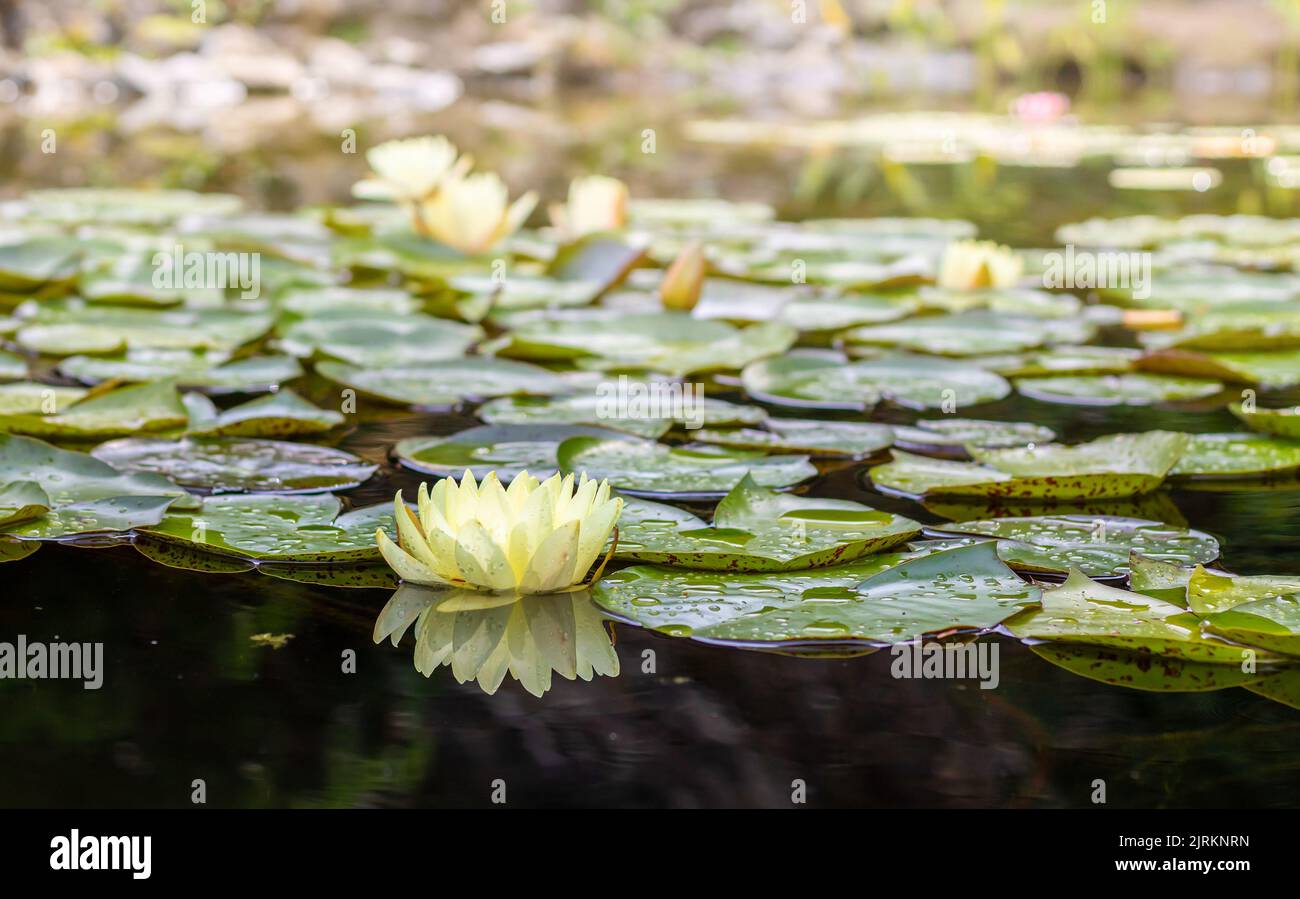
(483, 636)
(409, 171)
(978, 264)
(473, 213)
(596, 203)
(531, 538)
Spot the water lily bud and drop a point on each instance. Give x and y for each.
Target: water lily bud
(596, 203)
(680, 288)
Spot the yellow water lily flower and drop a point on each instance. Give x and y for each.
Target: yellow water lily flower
(472, 213)
(535, 537)
(409, 171)
(977, 264)
(596, 203)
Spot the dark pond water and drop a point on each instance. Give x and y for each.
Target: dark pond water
(187, 696)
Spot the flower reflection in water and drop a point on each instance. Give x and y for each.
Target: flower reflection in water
(482, 636)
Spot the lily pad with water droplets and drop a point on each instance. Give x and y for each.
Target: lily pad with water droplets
(646, 468)
(1132, 389)
(114, 515)
(851, 439)
(66, 329)
(126, 410)
(279, 414)
(1118, 465)
(505, 449)
(1284, 422)
(822, 380)
(951, 436)
(887, 598)
(71, 477)
(1097, 546)
(20, 501)
(443, 384)
(1237, 456)
(238, 464)
(1082, 611)
(269, 527)
(759, 530)
(1209, 593)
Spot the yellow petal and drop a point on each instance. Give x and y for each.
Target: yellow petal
(407, 567)
(596, 528)
(551, 567)
(482, 562)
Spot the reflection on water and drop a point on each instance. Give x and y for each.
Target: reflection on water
(482, 636)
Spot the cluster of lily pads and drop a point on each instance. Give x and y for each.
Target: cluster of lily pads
(196, 422)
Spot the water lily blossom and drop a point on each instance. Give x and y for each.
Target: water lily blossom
(409, 171)
(534, 537)
(473, 213)
(596, 203)
(979, 264)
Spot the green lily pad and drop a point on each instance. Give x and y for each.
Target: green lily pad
(1273, 370)
(851, 439)
(130, 280)
(126, 410)
(1004, 301)
(32, 264)
(1237, 456)
(71, 477)
(1114, 466)
(953, 435)
(66, 329)
(12, 366)
(1081, 611)
(1133, 389)
(599, 411)
(837, 313)
(1097, 546)
(1139, 671)
(889, 598)
(238, 464)
(828, 381)
(213, 374)
(1271, 624)
(270, 527)
(1283, 422)
(1163, 580)
(380, 301)
(1234, 327)
(645, 468)
(505, 449)
(376, 342)
(32, 398)
(116, 516)
(670, 342)
(279, 414)
(123, 206)
(1063, 360)
(759, 530)
(442, 384)
(20, 501)
(971, 334)
(354, 575)
(1209, 593)
(518, 292)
